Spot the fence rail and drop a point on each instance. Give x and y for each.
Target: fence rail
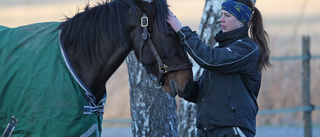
(294, 57)
(288, 110)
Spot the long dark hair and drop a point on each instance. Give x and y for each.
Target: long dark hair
(258, 34)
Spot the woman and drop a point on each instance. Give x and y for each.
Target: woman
(226, 93)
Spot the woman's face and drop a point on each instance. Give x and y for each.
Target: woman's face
(229, 22)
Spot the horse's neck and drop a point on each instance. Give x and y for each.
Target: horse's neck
(94, 74)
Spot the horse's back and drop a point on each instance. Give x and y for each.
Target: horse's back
(27, 32)
(22, 49)
(36, 86)
(3, 27)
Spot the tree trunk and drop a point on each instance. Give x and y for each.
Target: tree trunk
(153, 111)
(209, 27)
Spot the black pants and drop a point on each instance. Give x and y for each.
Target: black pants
(225, 132)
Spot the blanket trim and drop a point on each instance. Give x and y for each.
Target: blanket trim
(89, 97)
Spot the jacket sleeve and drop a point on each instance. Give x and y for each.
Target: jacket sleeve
(190, 93)
(229, 59)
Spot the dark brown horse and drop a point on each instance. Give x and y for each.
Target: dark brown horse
(114, 29)
(91, 46)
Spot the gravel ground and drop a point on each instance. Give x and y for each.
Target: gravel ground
(262, 131)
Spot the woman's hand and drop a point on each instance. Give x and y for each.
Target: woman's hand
(174, 22)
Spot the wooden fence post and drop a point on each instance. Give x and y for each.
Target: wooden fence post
(306, 85)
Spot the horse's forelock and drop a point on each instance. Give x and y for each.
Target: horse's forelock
(161, 17)
(157, 10)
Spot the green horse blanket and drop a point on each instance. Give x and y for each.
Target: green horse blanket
(40, 95)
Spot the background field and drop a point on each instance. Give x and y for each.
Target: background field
(285, 21)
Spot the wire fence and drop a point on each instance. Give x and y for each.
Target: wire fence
(306, 107)
(293, 109)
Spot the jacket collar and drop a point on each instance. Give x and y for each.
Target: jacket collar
(231, 36)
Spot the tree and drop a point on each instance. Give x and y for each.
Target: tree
(209, 27)
(153, 111)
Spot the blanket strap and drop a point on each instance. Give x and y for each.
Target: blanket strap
(99, 110)
(89, 109)
(10, 127)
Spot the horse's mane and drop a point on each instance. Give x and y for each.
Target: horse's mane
(86, 30)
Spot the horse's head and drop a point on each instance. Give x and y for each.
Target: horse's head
(157, 47)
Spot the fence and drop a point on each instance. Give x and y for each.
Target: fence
(307, 107)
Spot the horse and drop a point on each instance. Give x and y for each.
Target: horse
(53, 74)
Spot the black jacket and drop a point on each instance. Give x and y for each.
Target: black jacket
(226, 93)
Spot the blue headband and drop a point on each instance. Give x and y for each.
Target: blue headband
(239, 10)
